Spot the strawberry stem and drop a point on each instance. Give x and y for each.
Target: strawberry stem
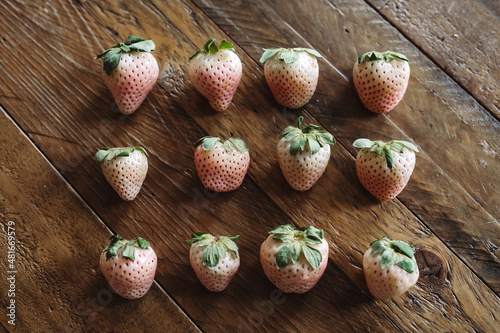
(394, 252)
(308, 137)
(211, 47)
(111, 57)
(215, 247)
(297, 242)
(117, 244)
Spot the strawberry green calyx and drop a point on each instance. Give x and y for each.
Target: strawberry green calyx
(287, 55)
(109, 153)
(117, 243)
(111, 57)
(381, 147)
(387, 56)
(394, 253)
(216, 247)
(230, 144)
(211, 47)
(297, 242)
(308, 137)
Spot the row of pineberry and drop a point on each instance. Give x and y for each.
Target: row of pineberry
(293, 259)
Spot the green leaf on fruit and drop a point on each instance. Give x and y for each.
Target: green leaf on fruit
(388, 157)
(143, 46)
(285, 238)
(142, 243)
(310, 129)
(295, 251)
(408, 266)
(403, 248)
(377, 148)
(124, 48)
(387, 258)
(229, 243)
(229, 146)
(369, 56)
(363, 143)
(314, 145)
(326, 137)
(288, 56)
(295, 146)
(397, 146)
(239, 144)
(211, 255)
(391, 55)
(312, 255)
(111, 60)
(303, 141)
(282, 229)
(283, 256)
(196, 237)
(226, 45)
(394, 252)
(206, 47)
(111, 57)
(133, 39)
(100, 155)
(312, 52)
(407, 144)
(209, 142)
(268, 53)
(211, 47)
(129, 252)
(310, 136)
(313, 233)
(290, 136)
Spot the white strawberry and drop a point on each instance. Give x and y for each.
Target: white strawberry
(381, 79)
(384, 169)
(131, 72)
(215, 72)
(215, 260)
(221, 164)
(294, 260)
(303, 154)
(129, 266)
(390, 268)
(292, 74)
(125, 168)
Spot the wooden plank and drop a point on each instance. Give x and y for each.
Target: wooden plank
(249, 104)
(58, 285)
(461, 36)
(170, 189)
(440, 194)
(70, 124)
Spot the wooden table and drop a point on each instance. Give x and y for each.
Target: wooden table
(56, 113)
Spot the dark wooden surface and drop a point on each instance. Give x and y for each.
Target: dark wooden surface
(56, 112)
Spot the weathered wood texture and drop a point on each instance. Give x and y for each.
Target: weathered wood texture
(68, 114)
(172, 204)
(449, 142)
(461, 36)
(58, 284)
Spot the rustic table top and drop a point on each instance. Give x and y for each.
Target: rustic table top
(56, 113)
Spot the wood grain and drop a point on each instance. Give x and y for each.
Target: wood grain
(251, 98)
(59, 287)
(441, 201)
(173, 203)
(68, 113)
(461, 36)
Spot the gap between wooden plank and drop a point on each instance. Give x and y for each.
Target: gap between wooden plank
(432, 59)
(88, 206)
(305, 108)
